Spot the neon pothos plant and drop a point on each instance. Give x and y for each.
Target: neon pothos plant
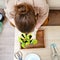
(26, 39)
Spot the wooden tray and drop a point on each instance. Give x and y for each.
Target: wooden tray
(40, 38)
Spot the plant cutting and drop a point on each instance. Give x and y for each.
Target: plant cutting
(26, 40)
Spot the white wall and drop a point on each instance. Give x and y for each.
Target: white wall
(2, 3)
(54, 4)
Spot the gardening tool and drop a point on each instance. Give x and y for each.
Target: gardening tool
(54, 54)
(18, 55)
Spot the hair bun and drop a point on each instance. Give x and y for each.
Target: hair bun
(22, 8)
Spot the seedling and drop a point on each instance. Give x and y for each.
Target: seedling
(26, 39)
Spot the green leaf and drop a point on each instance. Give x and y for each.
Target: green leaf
(27, 43)
(23, 35)
(29, 36)
(20, 39)
(23, 45)
(27, 39)
(34, 42)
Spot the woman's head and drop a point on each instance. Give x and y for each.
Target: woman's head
(25, 17)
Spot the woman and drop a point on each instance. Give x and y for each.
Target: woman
(27, 15)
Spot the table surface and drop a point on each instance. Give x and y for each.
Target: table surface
(51, 35)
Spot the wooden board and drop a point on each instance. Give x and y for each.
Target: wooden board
(40, 38)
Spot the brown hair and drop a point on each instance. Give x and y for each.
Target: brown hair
(25, 17)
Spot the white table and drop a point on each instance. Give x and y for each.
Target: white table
(51, 35)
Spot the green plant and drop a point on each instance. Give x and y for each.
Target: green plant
(26, 39)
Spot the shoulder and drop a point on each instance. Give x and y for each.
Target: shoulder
(42, 5)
